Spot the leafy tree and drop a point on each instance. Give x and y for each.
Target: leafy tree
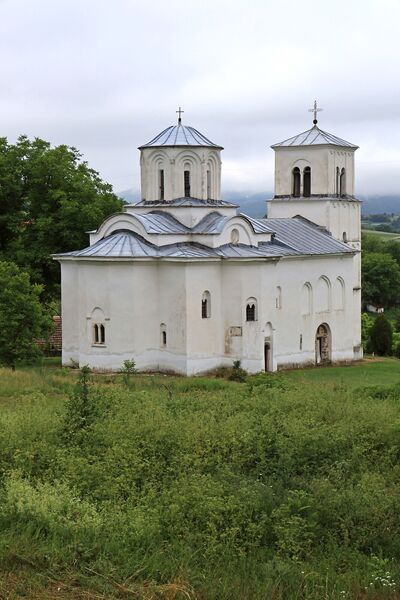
(381, 335)
(380, 279)
(22, 317)
(366, 325)
(49, 199)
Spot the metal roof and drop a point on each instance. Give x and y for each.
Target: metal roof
(314, 137)
(185, 202)
(293, 237)
(157, 221)
(180, 135)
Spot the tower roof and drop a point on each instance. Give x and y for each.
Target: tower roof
(314, 137)
(180, 135)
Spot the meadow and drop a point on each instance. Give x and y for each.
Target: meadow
(286, 487)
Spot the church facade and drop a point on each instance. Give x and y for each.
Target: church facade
(181, 282)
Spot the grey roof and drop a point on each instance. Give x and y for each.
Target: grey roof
(305, 238)
(187, 201)
(157, 221)
(180, 135)
(212, 223)
(314, 137)
(294, 237)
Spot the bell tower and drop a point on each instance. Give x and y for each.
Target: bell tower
(180, 162)
(314, 178)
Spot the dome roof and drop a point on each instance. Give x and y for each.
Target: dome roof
(314, 137)
(180, 135)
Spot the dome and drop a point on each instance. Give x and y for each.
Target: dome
(180, 135)
(314, 137)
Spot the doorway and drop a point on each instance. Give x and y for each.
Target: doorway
(323, 345)
(267, 356)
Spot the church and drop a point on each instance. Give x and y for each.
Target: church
(180, 282)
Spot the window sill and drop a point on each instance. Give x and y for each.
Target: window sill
(99, 346)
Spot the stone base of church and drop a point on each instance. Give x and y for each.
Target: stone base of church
(168, 362)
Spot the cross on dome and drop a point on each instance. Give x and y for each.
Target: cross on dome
(315, 110)
(179, 111)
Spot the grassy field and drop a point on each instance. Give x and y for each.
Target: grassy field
(286, 487)
(385, 235)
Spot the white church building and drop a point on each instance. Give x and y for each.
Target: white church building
(181, 282)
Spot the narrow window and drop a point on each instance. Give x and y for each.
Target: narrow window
(337, 181)
(301, 341)
(344, 237)
(296, 182)
(186, 180)
(343, 182)
(96, 333)
(102, 334)
(206, 305)
(163, 335)
(278, 297)
(161, 183)
(208, 185)
(307, 182)
(251, 312)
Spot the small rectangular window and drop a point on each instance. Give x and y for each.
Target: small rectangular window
(250, 312)
(186, 180)
(161, 183)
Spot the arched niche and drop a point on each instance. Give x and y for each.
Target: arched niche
(323, 294)
(306, 299)
(338, 294)
(323, 344)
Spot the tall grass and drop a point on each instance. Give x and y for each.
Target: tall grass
(280, 488)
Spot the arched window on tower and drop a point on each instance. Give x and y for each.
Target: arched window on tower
(206, 305)
(307, 182)
(208, 185)
(343, 182)
(186, 183)
(296, 182)
(161, 184)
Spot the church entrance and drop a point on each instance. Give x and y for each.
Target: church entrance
(267, 357)
(323, 345)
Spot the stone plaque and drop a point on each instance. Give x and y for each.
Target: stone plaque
(235, 331)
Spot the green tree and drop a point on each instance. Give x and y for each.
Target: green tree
(22, 317)
(380, 279)
(381, 335)
(49, 199)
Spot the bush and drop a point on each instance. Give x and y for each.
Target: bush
(381, 336)
(238, 374)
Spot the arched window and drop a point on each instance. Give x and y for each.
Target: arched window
(306, 299)
(99, 333)
(307, 182)
(206, 305)
(186, 183)
(296, 182)
(343, 182)
(161, 184)
(251, 309)
(278, 297)
(337, 181)
(163, 335)
(344, 237)
(208, 185)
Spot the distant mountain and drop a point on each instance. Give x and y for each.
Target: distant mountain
(255, 206)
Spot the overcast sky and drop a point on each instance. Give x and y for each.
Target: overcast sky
(106, 76)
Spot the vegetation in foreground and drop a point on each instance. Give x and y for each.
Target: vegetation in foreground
(283, 487)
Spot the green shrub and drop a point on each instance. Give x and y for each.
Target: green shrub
(381, 336)
(238, 374)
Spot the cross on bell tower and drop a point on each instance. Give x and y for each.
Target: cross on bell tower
(315, 110)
